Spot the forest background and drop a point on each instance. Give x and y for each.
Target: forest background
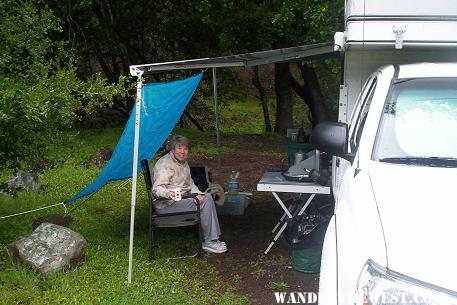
(64, 65)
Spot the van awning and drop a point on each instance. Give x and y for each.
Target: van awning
(317, 51)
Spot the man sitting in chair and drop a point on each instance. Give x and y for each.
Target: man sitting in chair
(172, 172)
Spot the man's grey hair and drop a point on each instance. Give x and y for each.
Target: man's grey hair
(178, 139)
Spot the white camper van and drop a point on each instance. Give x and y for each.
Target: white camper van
(391, 239)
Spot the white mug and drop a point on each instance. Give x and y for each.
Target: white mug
(175, 194)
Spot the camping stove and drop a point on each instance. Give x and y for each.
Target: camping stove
(303, 170)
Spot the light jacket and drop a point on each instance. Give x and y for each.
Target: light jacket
(168, 174)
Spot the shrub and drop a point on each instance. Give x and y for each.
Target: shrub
(40, 90)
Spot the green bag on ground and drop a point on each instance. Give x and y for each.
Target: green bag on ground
(308, 259)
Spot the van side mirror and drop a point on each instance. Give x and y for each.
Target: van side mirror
(332, 137)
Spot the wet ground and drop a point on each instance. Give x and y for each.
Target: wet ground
(247, 236)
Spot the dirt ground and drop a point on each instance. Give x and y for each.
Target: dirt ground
(248, 235)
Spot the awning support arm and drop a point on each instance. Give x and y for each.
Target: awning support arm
(216, 119)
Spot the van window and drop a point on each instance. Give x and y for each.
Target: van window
(361, 117)
(419, 123)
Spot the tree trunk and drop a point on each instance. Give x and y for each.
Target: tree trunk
(284, 107)
(263, 98)
(193, 120)
(311, 94)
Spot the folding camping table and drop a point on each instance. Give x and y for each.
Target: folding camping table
(274, 182)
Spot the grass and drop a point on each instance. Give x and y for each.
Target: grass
(258, 270)
(278, 285)
(104, 221)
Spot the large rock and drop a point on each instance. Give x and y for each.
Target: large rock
(27, 181)
(49, 249)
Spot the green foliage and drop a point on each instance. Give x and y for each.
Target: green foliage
(40, 90)
(249, 26)
(307, 21)
(103, 33)
(329, 76)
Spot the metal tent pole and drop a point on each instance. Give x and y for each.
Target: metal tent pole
(135, 169)
(216, 118)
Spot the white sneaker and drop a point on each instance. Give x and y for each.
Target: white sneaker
(214, 247)
(220, 242)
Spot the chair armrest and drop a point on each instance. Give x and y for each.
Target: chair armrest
(156, 215)
(189, 195)
(184, 196)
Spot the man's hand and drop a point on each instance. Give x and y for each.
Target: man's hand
(200, 198)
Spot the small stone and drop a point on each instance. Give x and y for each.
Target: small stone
(27, 181)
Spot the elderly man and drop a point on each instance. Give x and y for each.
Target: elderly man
(172, 172)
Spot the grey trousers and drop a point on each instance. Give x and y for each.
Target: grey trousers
(209, 221)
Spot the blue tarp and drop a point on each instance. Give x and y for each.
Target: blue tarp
(161, 107)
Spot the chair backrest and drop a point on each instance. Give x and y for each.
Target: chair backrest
(201, 177)
(147, 178)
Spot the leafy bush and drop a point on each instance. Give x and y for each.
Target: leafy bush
(38, 81)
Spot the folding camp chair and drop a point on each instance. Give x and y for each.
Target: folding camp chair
(201, 176)
(169, 220)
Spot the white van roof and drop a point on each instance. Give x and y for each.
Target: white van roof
(401, 8)
(428, 70)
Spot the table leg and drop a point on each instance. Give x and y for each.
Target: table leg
(293, 209)
(288, 213)
(276, 238)
(282, 204)
(302, 210)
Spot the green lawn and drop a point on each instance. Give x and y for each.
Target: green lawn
(104, 221)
